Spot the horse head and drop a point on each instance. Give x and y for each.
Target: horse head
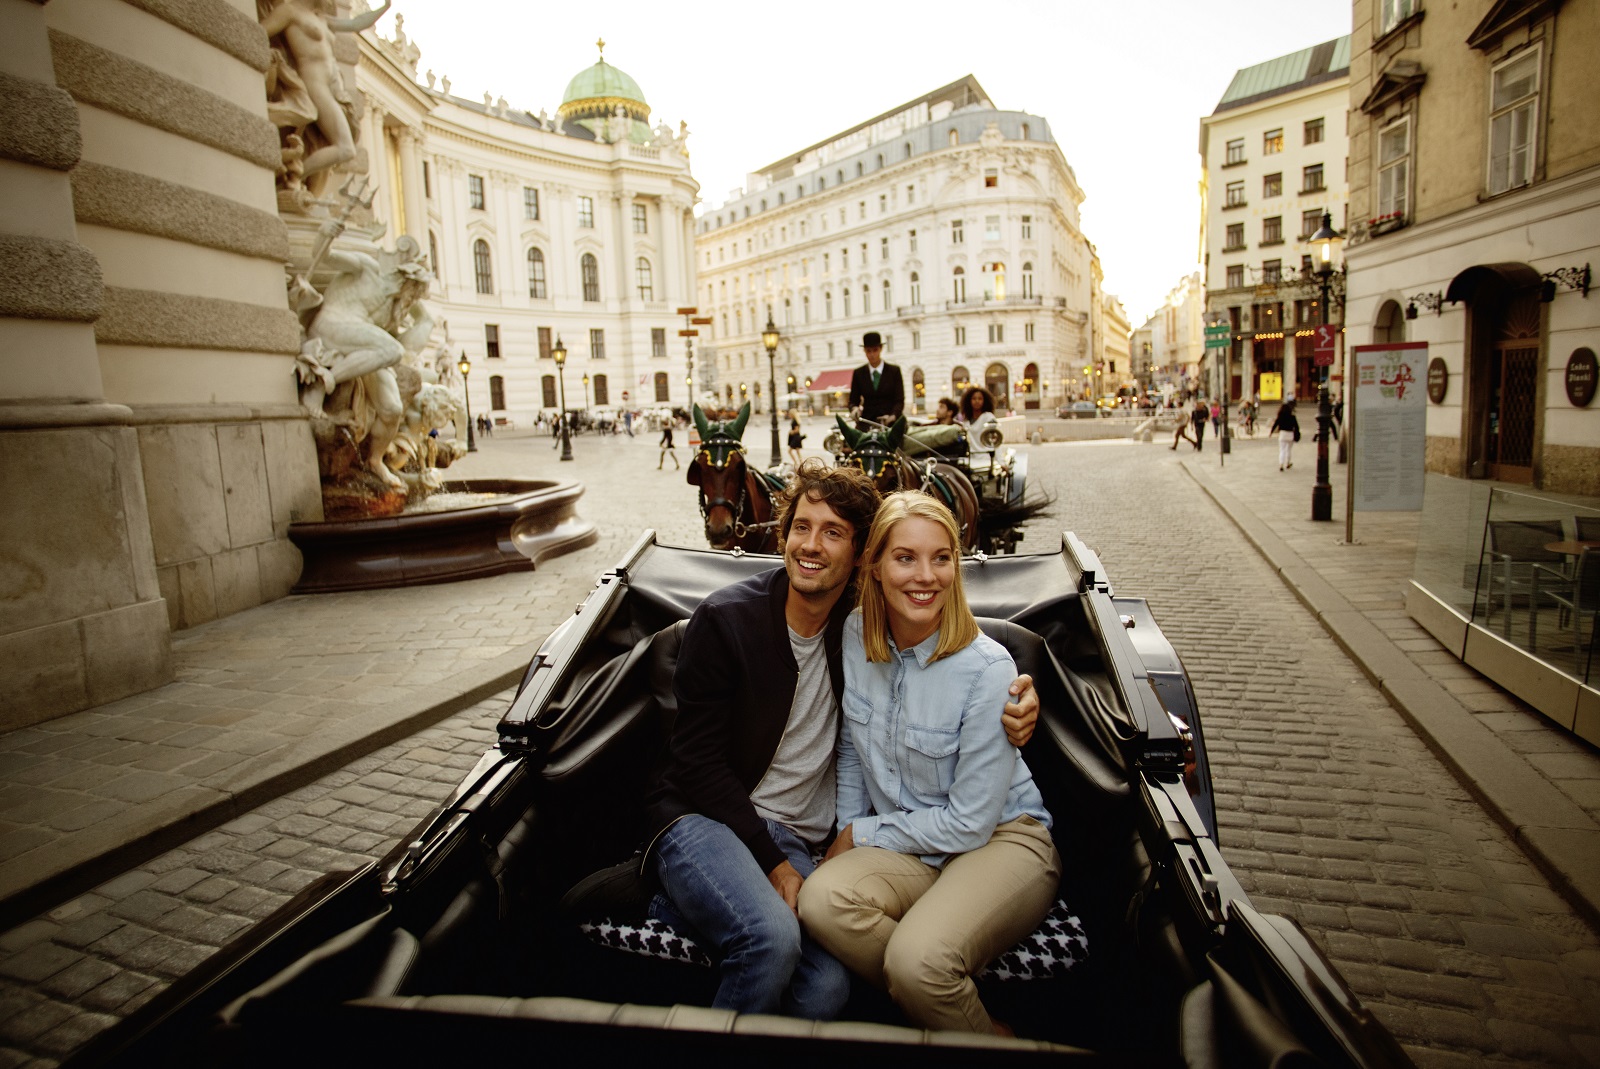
(877, 452)
(718, 469)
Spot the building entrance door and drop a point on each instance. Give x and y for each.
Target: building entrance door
(1513, 374)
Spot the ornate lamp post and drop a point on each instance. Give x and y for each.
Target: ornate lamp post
(769, 338)
(586, 391)
(560, 354)
(465, 367)
(1323, 241)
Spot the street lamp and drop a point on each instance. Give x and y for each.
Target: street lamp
(1323, 241)
(586, 391)
(769, 338)
(465, 367)
(560, 354)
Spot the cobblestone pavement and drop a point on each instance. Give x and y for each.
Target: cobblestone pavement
(1332, 811)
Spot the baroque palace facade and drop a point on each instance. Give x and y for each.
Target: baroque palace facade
(947, 225)
(574, 227)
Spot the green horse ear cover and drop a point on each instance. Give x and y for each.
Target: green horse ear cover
(897, 433)
(700, 423)
(852, 437)
(736, 428)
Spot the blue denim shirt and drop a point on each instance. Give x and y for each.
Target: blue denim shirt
(925, 767)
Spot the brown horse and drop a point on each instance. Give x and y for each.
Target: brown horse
(735, 501)
(878, 454)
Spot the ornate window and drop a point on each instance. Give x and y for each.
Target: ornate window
(590, 268)
(642, 277)
(586, 211)
(482, 270)
(959, 285)
(530, 203)
(916, 288)
(1027, 279)
(661, 387)
(1394, 168)
(537, 287)
(641, 221)
(475, 191)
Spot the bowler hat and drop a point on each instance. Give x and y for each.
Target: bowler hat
(871, 340)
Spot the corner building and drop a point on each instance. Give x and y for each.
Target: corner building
(1273, 155)
(946, 225)
(575, 227)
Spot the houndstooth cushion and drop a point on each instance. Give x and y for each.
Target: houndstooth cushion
(650, 937)
(1052, 950)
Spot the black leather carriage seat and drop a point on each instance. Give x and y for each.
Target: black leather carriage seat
(696, 1019)
(1059, 945)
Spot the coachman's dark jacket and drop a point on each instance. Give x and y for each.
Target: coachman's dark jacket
(888, 400)
(735, 684)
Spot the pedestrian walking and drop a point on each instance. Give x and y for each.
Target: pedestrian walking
(627, 421)
(796, 439)
(1216, 419)
(1180, 432)
(667, 448)
(1288, 428)
(1197, 418)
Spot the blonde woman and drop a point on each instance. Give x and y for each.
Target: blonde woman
(944, 858)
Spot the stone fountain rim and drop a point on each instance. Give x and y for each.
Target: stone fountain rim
(557, 491)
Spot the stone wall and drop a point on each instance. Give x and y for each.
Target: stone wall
(175, 197)
(84, 622)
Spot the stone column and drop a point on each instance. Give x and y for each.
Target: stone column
(387, 206)
(670, 270)
(85, 622)
(411, 183)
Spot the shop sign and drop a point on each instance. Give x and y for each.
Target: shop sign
(1438, 380)
(1580, 379)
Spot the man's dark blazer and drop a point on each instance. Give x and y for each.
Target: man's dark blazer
(888, 400)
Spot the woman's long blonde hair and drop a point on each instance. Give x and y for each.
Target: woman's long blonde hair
(957, 626)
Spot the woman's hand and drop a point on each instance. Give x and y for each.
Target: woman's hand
(845, 840)
(1020, 716)
(786, 880)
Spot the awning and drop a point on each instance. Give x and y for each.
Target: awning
(1512, 276)
(831, 381)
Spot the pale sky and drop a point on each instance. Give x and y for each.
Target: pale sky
(1122, 85)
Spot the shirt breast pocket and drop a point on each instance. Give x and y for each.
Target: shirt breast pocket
(931, 759)
(857, 708)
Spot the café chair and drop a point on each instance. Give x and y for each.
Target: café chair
(1516, 548)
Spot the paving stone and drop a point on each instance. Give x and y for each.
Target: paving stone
(117, 994)
(38, 962)
(78, 979)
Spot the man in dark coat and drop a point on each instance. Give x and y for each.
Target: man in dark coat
(877, 392)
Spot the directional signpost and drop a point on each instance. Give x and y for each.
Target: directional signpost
(1219, 337)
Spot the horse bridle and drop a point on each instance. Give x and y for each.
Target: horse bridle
(718, 453)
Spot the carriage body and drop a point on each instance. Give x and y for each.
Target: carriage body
(460, 944)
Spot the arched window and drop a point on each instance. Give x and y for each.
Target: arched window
(602, 391)
(846, 294)
(661, 387)
(536, 281)
(1031, 386)
(1027, 279)
(997, 281)
(887, 296)
(591, 277)
(908, 150)
(738, 321)
(958, 380)
(959, 285)
(998, 379)
(1390, 324)
(919, 390)
(641, 274)
(1024, 131)
(788, 313)
(481, 268)
(805, 308)
(497, 392)
(827, 305)
(548, 386)
(916, 288)
(955, 137)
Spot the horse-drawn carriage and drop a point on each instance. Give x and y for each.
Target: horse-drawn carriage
(983, 482)
(467, 943)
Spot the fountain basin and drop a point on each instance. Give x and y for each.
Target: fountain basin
(527, 521)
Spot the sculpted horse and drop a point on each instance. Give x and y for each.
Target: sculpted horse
(878, 454)
(735, 501)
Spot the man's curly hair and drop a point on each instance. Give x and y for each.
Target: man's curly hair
(847, 491)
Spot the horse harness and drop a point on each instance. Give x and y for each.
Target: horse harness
(718, 452)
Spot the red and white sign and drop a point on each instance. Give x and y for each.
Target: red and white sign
(1322, 348)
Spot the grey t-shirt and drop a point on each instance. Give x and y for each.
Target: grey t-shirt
(798, 789)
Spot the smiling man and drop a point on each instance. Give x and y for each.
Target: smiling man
(745, 798)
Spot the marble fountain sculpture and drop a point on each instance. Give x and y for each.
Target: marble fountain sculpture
(375, 369)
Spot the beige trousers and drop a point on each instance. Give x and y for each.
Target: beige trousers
(920, 933)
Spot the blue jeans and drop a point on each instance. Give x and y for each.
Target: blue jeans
(716, 891)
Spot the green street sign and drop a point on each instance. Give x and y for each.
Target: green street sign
(1219, 337)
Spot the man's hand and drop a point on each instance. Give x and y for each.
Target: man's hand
(1020, 716)
(786, 880)
(845, 840)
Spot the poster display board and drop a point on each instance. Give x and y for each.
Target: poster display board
(1389, 426)
(1271, 386)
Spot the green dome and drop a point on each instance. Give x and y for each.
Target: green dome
(602, 81)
